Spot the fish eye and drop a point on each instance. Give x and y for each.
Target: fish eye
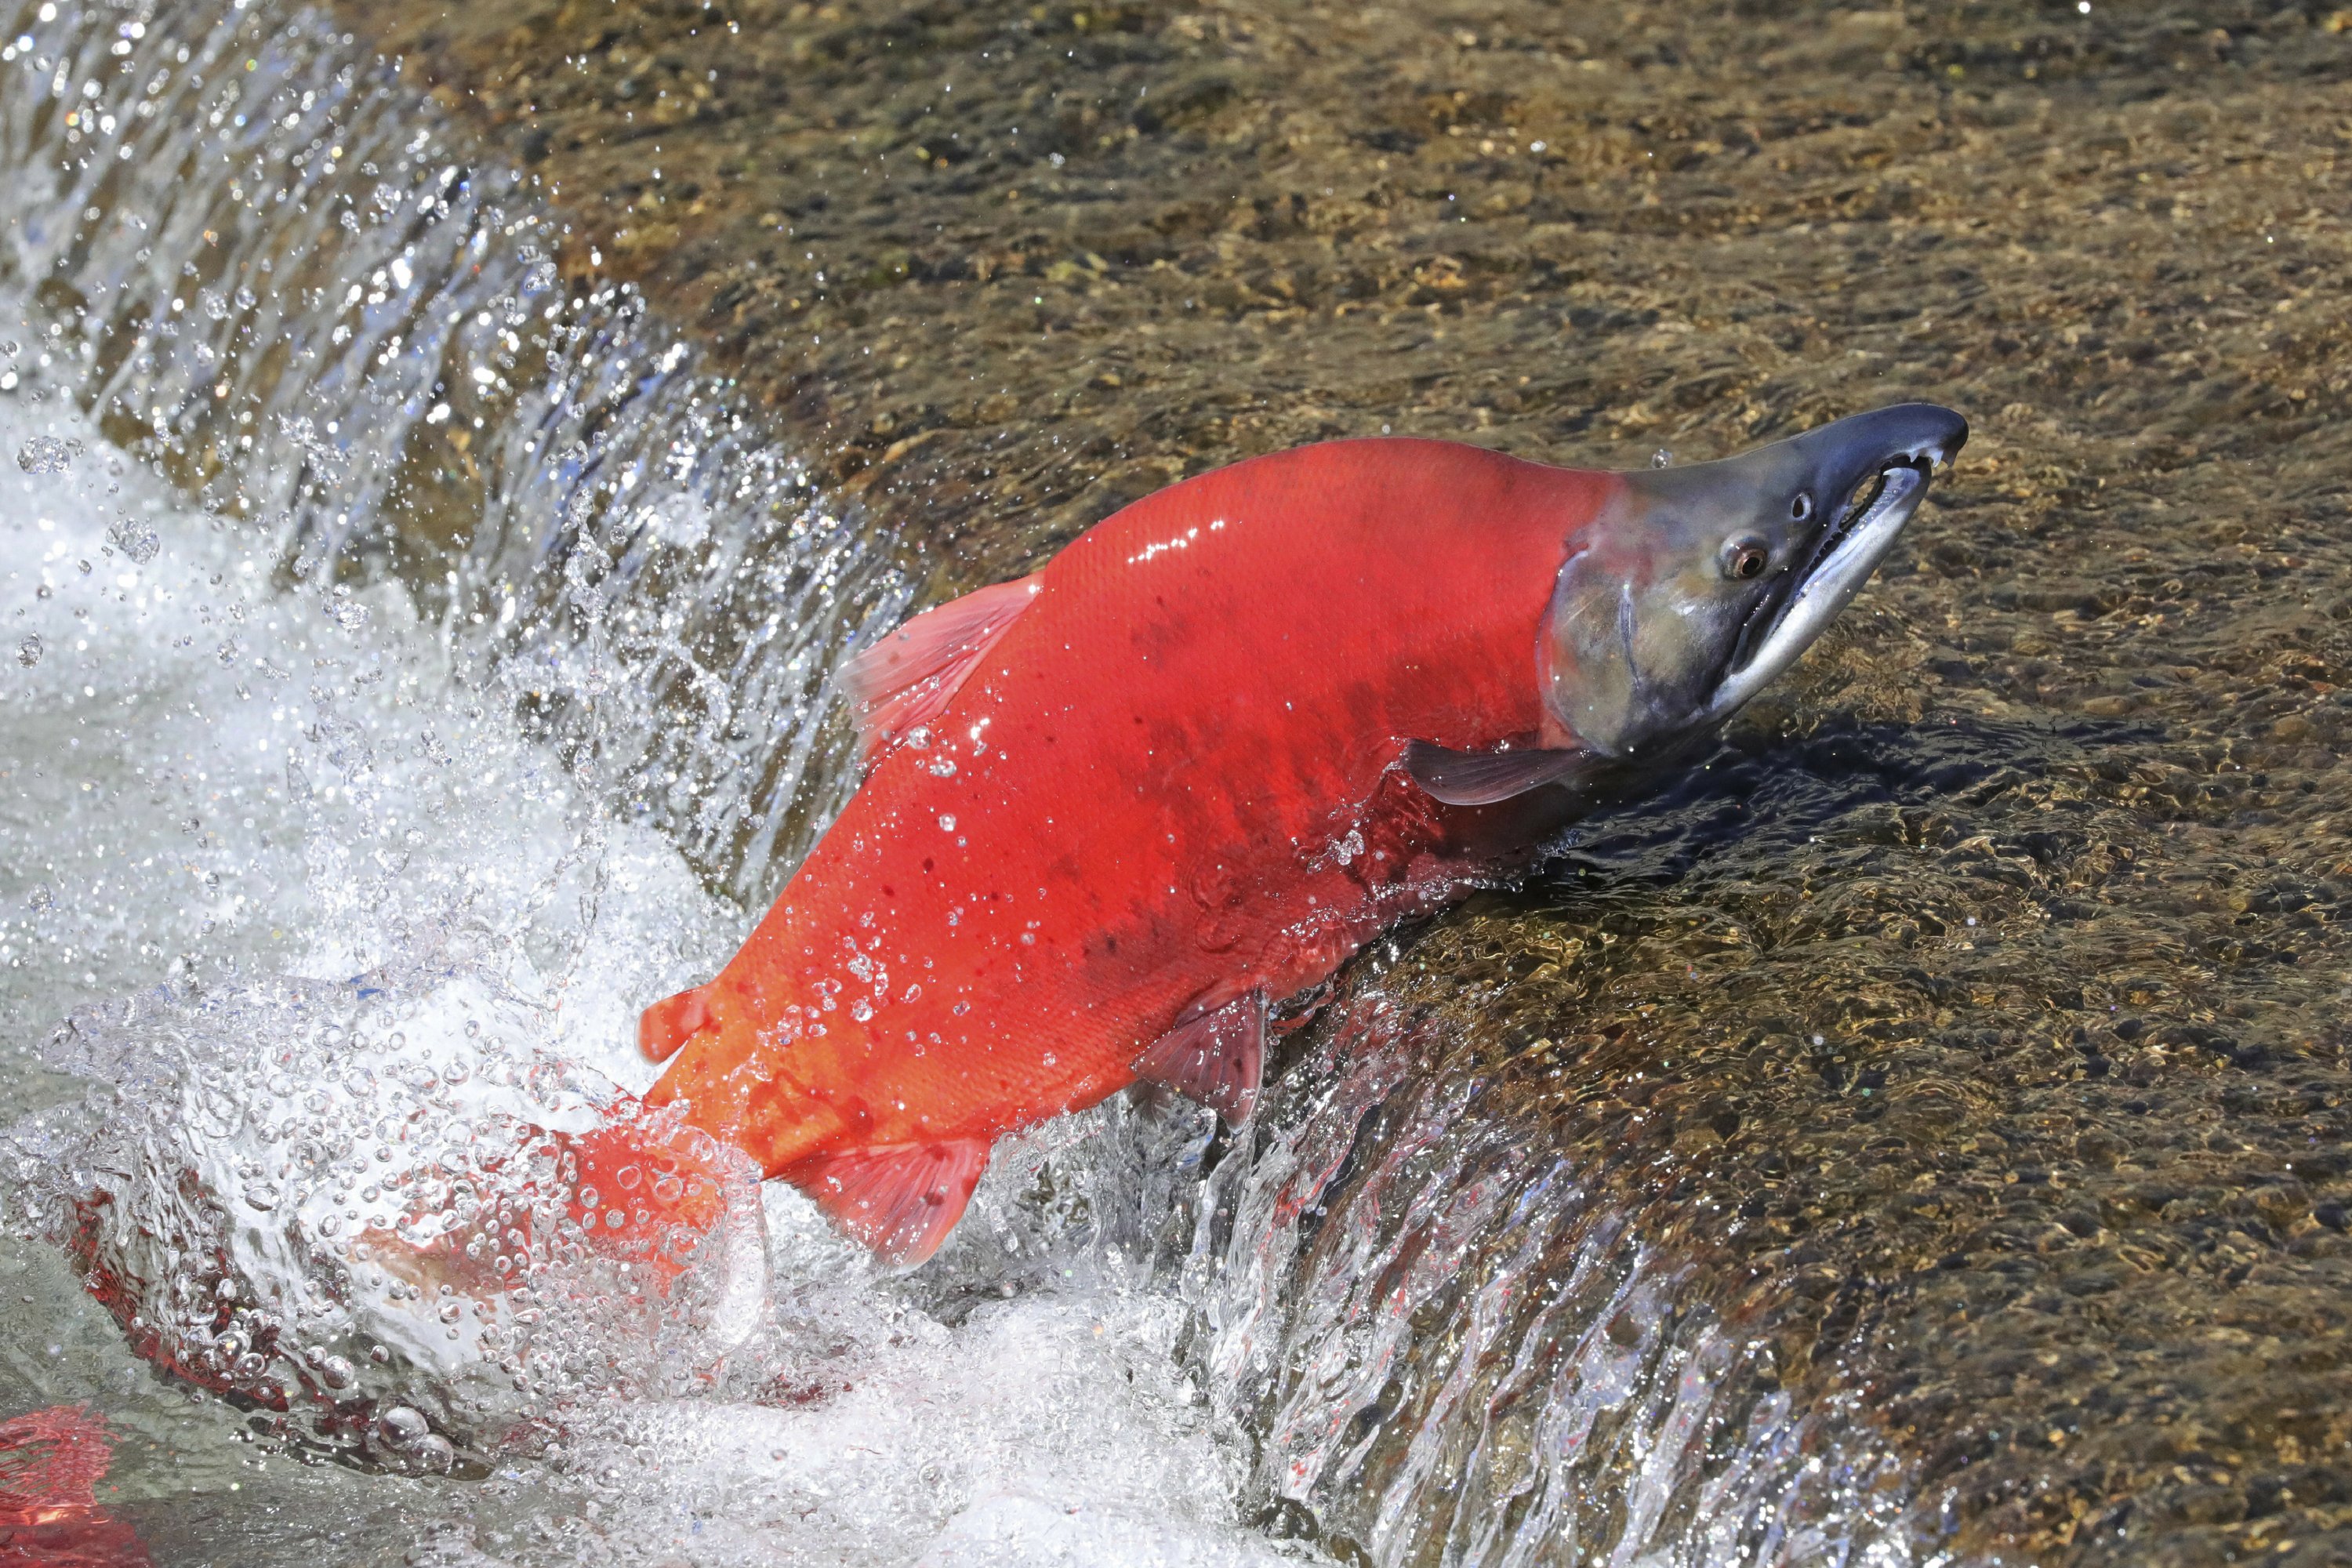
(1801, 509)
(1743, 559)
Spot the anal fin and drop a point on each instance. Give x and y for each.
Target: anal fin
(914, 672)
(1215, 1056)
(664, 1027)
(1482, 778)
(901, 1201)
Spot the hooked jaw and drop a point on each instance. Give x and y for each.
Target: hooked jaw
(1878, 465)
(1706, 581)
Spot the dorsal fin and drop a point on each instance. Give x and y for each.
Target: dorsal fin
(901, 1201)
(1216, 1057)
(912, 674)
(1481, 778)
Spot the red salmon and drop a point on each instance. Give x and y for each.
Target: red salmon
(1117, 810)
(50, 1464)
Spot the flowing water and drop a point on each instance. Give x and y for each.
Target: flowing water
(1914, 1136)
(289, 704)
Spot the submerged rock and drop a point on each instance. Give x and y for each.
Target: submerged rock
(1858, 1151)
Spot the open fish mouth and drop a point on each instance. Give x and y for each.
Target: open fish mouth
(1869, 519)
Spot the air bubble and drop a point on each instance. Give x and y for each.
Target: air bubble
(399, 1426)
(47, 455)
(135, 540)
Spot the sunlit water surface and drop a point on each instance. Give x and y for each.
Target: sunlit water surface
(411, 656)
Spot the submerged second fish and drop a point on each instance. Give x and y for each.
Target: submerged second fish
(1118, 810)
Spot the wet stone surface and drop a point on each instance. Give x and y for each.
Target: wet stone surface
(1953, 1069)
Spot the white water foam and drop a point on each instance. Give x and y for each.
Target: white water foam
(208, 782)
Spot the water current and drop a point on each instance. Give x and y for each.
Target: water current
(334, 858)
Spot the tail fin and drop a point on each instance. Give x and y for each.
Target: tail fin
(670, 1023)
(50, 1464)
(901, 1201)
(53, 1457)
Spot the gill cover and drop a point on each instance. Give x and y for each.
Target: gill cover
(1702, 584)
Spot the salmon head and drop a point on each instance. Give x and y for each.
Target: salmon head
(1699, 585)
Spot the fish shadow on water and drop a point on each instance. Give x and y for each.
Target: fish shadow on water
(1812, 1066)
(1738, 812)
(1760, 796)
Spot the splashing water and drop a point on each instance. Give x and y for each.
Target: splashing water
(1589, 1413)
(420, 666)
(408, 645)
(271, 275)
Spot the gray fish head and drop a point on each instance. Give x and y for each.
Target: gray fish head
(1698, 585)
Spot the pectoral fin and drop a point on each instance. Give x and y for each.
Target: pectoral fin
(1481, 778)
(901, 1201)
(1216, 1057)
(913, 672)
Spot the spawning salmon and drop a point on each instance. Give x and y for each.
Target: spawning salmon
(1116, 812)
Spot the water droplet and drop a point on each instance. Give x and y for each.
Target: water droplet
(135, 540)
(940, 767)
(337, 1372)
(47, 455)
(1662, 458)
(28, 652)
(400, 1427)
(947, 822)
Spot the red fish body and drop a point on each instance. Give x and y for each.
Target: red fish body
(1116, 808)
(50, 1464)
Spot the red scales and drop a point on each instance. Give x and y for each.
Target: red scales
(1115, 810)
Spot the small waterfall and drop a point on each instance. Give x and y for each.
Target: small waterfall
(264, 271)
(471, 669)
